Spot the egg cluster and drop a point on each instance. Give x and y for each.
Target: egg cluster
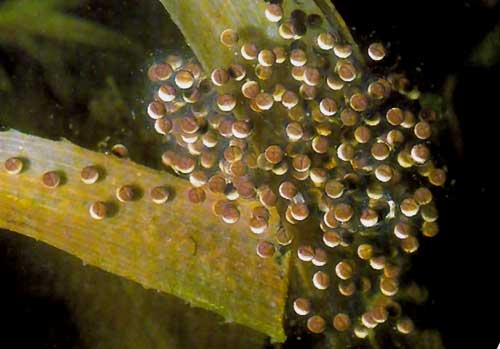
(340, 151)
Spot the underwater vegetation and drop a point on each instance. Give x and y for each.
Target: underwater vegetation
(300, 172)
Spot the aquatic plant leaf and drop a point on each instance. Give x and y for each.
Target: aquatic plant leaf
(53, 60)
(201, 23)
(43, 21)
(37, 5)
(63, 4)
(177, 247)
(41, 30)
(487, 54)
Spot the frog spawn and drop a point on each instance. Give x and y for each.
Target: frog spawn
(353, 158)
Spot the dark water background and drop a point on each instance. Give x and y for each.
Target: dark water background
(459, 267)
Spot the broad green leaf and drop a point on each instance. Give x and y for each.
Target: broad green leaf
(487, 54)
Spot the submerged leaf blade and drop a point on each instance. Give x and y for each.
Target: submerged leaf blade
(178, 248)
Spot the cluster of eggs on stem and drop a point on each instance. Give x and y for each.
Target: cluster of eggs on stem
(347, 154)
